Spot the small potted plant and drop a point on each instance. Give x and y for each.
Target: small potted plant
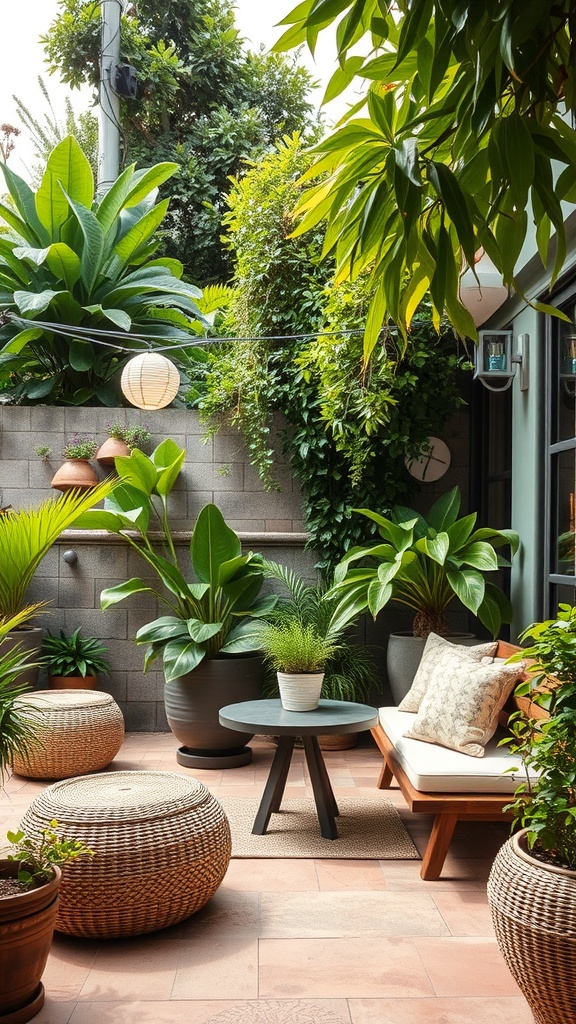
(76, 472)
(30, 878)
(73, 661)
(121, 441)
(298, 652)
(532, 885)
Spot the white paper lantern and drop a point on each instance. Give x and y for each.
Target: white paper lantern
(150, 381)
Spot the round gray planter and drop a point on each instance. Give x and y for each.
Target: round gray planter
(403, 657)
(192, 705)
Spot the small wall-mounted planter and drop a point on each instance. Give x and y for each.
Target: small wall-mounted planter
(112, 448)
(74, 473)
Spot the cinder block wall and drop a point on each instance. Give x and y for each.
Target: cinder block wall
(215, 471)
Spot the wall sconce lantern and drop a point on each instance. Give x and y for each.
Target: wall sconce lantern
(150, 381)
(496, 363)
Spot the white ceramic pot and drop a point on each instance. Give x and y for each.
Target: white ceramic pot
(300, 691)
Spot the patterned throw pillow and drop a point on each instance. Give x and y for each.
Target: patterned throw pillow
(434, 649)
(461, 705)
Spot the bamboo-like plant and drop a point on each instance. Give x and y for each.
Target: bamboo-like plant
(27, 535)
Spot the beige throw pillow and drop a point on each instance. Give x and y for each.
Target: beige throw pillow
(461, 705)
(433, 650)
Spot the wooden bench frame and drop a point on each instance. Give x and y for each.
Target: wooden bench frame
(449, 808)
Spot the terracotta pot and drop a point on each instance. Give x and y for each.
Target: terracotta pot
(26, 927)
(74, 473)
(533, 908)
(338, 741)
(113, 448)
(72, 683)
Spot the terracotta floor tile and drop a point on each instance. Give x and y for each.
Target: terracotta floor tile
(340, 968)
(228, 911)
(355, 914)
(465, 913)
(68, 966)
(356, 875)
(222, 964)
(500, 1010)
(465, 966)
(192, 1011)
(140, 968)
(274, 875)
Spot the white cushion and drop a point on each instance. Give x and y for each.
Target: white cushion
(436, 648)
(435, 769)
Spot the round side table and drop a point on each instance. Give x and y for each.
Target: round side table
(270, 718)
(79, 731)
(161, 846)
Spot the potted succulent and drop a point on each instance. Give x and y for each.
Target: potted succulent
(121, 441)
(426, 564)
(532, 885)
(73, 660)
(30, 878)
(26, 535)
(76, 472)
(207, 639)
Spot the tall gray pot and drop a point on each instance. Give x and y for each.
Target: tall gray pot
(192, 705)
(403, 657)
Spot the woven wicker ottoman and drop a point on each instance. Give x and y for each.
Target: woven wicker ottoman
(161, 846)
(80, 731)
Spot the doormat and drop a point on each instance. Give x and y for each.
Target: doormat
(368, 829)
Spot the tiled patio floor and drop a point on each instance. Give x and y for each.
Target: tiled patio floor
(447, 970)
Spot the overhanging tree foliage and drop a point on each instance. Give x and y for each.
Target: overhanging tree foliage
(464, 143)
(203, 101)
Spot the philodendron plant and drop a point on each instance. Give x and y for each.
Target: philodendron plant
(74, 265)
(426, 564)
(210, 616)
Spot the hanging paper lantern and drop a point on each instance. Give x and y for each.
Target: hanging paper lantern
(150, 381)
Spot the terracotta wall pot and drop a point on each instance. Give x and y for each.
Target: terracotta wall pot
(404, 654)
(26, 927)
(72, 683)
(77, 473)
(533, 908)
(113, 448)
(300, 691)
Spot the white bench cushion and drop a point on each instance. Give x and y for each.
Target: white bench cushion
(435, 769)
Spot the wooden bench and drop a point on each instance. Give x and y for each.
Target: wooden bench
(449, 808)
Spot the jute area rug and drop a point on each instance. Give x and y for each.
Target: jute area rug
(369, 828)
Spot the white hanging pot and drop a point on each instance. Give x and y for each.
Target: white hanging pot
(300, 691)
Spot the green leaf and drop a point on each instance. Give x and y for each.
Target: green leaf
(81, 355)
(449, 191)
(212, 544)
(113, 595)
(64, 263)
(93, 248)
(181, 657)
(437, 547)
(68, 174)
(469, 587)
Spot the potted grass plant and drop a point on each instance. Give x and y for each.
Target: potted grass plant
(298, 652)
(72, 660)
(532, 885)
(427, 564)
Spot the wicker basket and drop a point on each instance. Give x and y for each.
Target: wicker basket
(534, 913)
(81, 731)
(161, 846)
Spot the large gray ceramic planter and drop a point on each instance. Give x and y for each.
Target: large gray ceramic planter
(192, 705)
(403, 657)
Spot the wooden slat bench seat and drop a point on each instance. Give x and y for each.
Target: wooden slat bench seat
(450, 807)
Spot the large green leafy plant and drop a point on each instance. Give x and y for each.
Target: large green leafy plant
(547, 807)
(18, 732)
(72, 263)
(208, 617)
(426, 564)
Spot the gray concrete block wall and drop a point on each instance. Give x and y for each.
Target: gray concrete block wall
(215, 471)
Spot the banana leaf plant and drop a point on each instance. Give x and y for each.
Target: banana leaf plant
(209, 617)
(426, 564)
(72, 263)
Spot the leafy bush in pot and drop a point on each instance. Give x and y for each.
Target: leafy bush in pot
(73, 655)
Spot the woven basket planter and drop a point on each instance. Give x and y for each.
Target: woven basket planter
(161, 846)
(534, 913)
(80, 731)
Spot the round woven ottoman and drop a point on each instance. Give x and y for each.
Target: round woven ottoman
(161, 846)
(80, 731)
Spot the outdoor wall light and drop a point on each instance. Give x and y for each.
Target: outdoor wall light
(150, 381)
(496, 363)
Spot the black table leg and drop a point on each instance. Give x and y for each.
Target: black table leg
(326, 806)
(274, 788)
